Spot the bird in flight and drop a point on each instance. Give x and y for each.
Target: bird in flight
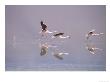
(60, 35)
(44, 27)
(92, 33)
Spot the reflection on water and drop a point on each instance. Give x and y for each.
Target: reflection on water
(59, 55)
(44, 46)
(61, 43)
(89, 45)
(92, 49)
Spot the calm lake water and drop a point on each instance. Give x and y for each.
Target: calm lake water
(23, 40)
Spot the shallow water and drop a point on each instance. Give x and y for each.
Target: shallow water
(23, 39)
